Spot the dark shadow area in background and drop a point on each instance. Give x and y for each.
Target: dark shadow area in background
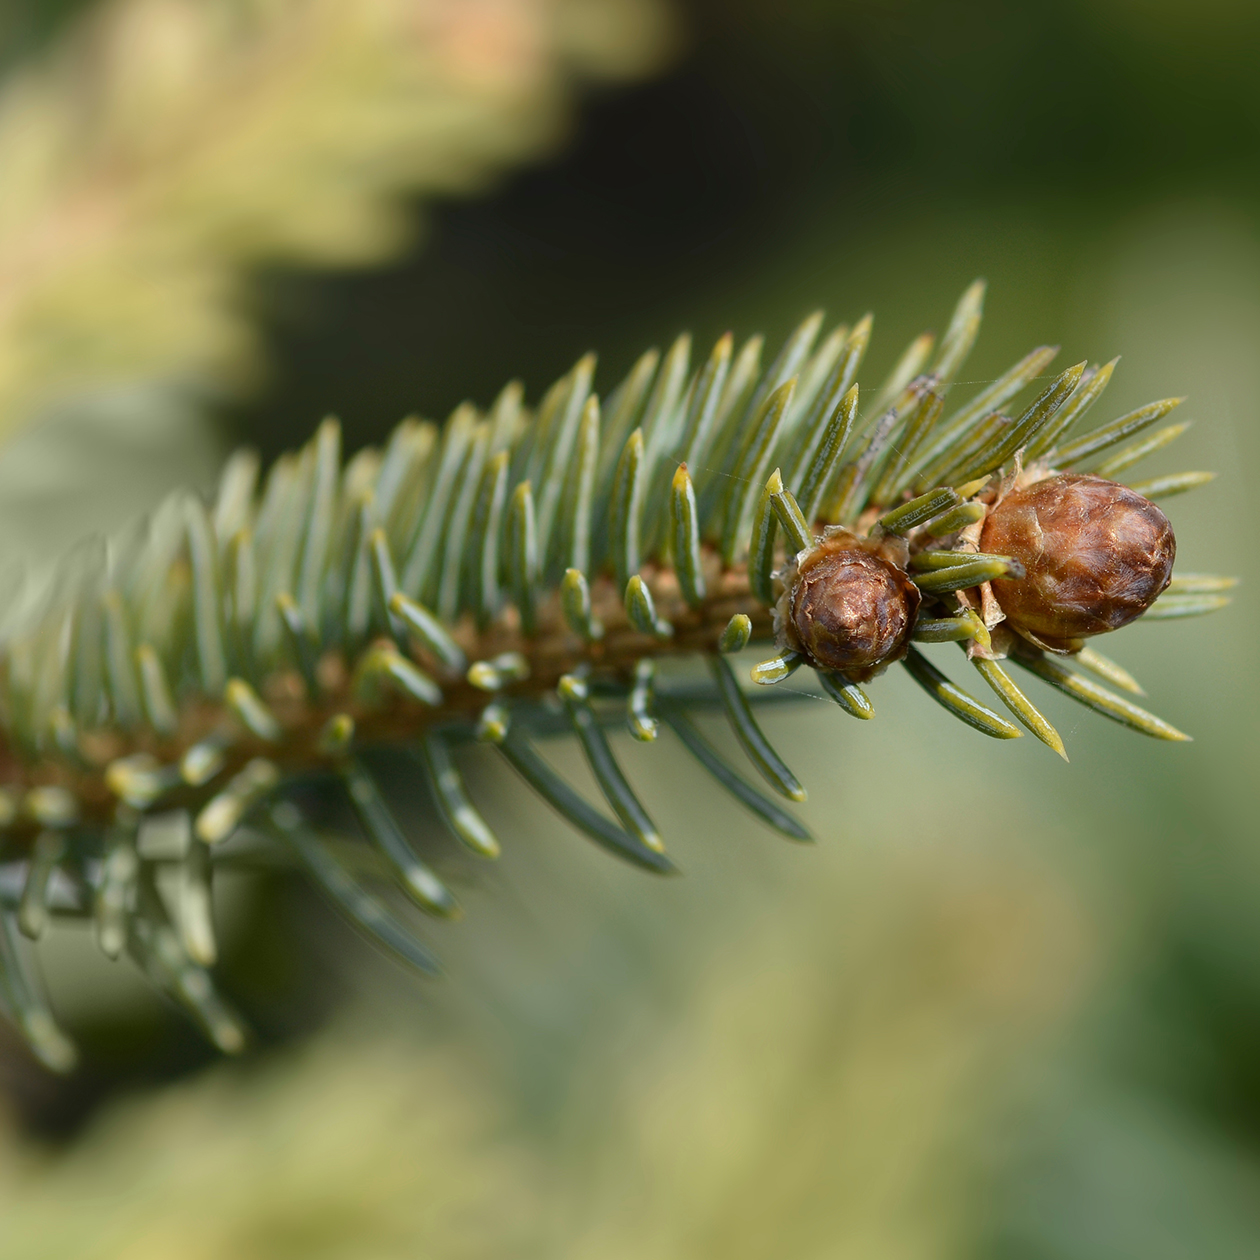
(28, 27)
(664, 190)
(779, 121)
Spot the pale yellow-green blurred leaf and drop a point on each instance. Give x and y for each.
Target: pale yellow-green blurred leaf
(168, 147)
(347, 1148)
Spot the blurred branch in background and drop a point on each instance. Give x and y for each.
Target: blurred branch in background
(168, 147)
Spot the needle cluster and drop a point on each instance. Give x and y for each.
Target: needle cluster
(520, 571)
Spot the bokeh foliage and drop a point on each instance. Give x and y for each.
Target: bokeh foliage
(161, 151)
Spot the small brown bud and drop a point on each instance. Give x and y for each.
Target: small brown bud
(851, 608)
(1096, 555)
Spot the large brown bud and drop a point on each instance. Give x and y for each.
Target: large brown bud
(1095, 553)
(851, 608)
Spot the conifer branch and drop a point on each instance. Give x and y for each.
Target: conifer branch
(477, 585)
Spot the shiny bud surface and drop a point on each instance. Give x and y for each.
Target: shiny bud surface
(852, 610)
(1097, 555)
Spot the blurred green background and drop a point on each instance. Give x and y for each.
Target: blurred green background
(1006, 1007)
